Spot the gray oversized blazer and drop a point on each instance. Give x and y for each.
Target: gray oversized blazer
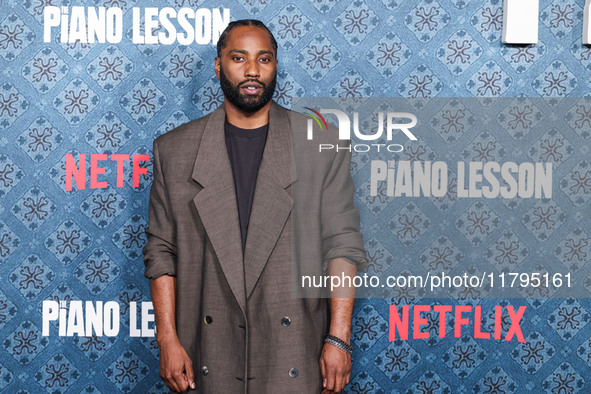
(236, 316)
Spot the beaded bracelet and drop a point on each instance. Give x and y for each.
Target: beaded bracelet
(338, 342)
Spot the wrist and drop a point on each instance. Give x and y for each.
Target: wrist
(343, 334)
(166, 339)
(339, 343)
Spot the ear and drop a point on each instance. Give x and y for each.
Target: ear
(217, 66)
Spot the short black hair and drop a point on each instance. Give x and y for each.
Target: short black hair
(223, 40)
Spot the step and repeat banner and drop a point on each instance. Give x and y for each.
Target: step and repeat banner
(471, 161)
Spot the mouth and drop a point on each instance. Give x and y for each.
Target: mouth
(251, 88)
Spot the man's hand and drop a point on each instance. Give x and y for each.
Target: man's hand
(335, 366)
(176, 368)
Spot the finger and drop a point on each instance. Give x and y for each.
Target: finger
(172, 385)
(181, 383)
(323, 372)
(190, 374)
(330, 379)
(338, 386)
(168, 381)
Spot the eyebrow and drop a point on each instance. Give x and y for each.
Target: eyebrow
(260, 52)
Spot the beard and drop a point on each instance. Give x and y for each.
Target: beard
(244, 102)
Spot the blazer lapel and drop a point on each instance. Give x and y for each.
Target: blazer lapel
(272, 204)
(216, 203)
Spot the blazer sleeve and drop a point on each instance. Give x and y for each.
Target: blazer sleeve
(340, 219)
(160, 250)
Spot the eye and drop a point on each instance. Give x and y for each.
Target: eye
(237, 57)
(265, 59)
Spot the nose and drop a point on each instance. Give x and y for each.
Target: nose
(251, 69)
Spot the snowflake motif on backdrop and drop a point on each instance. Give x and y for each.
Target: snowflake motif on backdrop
(488, 20)
(7, 311)
(10, 174)
(76, 101)
(110, 68)
(363, 383)
(356, 22)
(564, 379)
(430, 382)
(442, 255)
(12, 105)
(560, 17)
(181, 66)
(36, 7)
(507, 252)
(130, 293)
(57, 374)
(67, 241)
(477, 222)
(290, 26)
(409, 224)
(77, 50)
(208, 97)
(577, 183)
(569, 318)
(464, 357)
(552, 147)
(319, 57)
(15, 35)
(556, 81)
(489, 81)
(143, 101)
(496, 380)
(98, 271)
(352, 85)
(367, 327)
(543, 219)
(520, 117)
(397, 359)
(388, 54)
(459, 52)
(426, 20)
(533, 353)
(574, 251)
(103, 206)
(94, 347)
(130, 237)
(31, 276)
(34, 208)
(109, 134)
(287, 88)
(452, 121)
(40, 139)
(420, 83)
(45, 70)
(578, 118)
(126, 371)
(25, 342)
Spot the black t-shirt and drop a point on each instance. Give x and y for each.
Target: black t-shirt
(245, 150)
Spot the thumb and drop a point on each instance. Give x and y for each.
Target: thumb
(190, 374)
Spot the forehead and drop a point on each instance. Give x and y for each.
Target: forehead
(249, 38)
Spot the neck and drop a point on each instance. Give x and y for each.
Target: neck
(247, 120)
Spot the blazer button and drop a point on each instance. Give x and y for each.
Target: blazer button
(286, 321)
(204, 370)
(293, 373)
(207, 320)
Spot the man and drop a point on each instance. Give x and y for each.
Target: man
(222, 236)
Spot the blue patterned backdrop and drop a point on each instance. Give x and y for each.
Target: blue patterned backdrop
(105, 99)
